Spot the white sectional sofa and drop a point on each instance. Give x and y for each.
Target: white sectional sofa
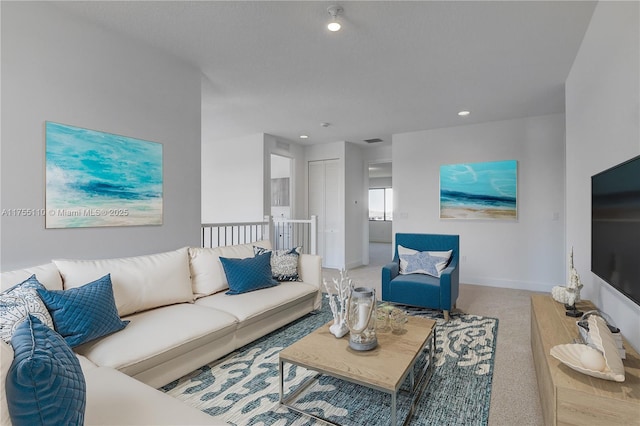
(180, 319)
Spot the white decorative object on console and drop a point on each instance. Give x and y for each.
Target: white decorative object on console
(570, 294)
(600, 359)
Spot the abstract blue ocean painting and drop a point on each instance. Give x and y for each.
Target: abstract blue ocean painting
(479, 190)
(98, 179)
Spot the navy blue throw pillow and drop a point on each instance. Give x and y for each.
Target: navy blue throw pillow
(252, 273)
(45, 384)
(84, 313)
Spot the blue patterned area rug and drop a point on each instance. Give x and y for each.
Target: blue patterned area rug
(243, 388)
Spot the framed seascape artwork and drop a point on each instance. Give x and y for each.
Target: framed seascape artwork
(479, 190)
(98, 179)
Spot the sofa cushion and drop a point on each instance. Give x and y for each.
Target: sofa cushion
(17, 302)
(155, 336)
(48, 275)
(113, 398)
(250, 274)
(284, 263)
(85, 364)
(6, 358)
(241, 251)
(423, 262)
(84, 313)
(207, 274)
(139, 283)
(45, 384)
(260, 304)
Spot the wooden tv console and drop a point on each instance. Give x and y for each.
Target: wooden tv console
(567, 396)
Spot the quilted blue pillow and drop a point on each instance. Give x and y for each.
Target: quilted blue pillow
(252, 273)
(45, 384)
(84, 313)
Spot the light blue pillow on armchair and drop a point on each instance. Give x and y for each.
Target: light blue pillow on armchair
(423, 262)
(45, 384)
(84, 313)
(252, 273)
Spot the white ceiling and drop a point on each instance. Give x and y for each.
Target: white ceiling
(396, 66)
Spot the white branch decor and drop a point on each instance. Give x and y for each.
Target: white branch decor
(338, 295)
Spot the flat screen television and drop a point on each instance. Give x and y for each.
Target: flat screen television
(615, 227)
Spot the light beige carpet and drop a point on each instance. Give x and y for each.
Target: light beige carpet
(514, 394)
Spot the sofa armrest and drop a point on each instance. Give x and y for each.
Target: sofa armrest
(310, 269)
(310, 272)
(389, 272)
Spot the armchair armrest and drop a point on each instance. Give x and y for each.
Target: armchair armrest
(449, 284)
(389, 272)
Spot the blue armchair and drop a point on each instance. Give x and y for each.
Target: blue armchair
(420, 289)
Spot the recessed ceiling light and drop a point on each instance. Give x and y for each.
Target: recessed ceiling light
(463, 113)
(304, 137)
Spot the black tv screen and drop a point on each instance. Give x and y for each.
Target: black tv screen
(615, 227)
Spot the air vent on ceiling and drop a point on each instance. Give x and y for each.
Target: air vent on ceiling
(374, 140)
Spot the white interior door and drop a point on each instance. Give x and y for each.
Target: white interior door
(324, 202)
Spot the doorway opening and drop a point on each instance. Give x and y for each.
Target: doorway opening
(380, 212)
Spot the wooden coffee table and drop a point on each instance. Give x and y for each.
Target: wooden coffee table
(384, 368)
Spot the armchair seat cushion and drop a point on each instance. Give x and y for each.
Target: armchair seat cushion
(417, 279)
(414, 289)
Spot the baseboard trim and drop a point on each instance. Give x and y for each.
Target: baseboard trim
(502, 283)
(354, 264)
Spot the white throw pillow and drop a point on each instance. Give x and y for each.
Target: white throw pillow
(139, 283)
(17, 303)
(207, 274)
(47, 275)
(423, 262)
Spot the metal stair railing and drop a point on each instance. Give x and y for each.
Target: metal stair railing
(283, 233)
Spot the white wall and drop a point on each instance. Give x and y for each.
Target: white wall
(233, 179)
(602, 113)
(527, 253)
(356, 207)
(378, 154)
(381, 182)
(56, 67)
(380, 231)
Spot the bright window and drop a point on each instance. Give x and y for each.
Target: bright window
(381, 204)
